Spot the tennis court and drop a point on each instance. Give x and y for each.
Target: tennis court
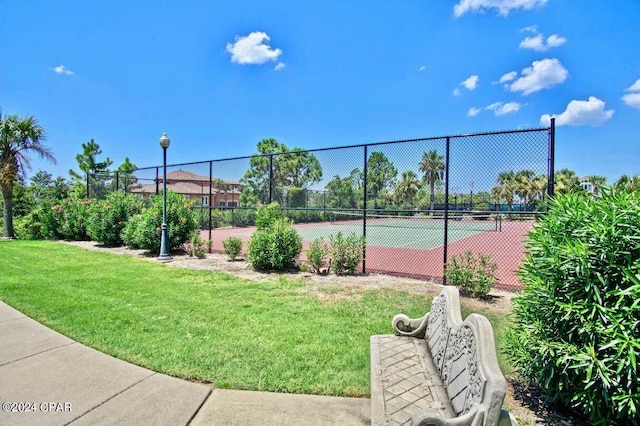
(414, 246)
(419, 232)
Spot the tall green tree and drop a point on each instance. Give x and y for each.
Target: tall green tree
(19, 137)
(96, 170)
(407, 188)
(126, 177)
(432, 165)
(45, 187)
(291, 169)
(341, 192)
(381, 174)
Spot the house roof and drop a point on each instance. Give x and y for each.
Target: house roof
(184, 175)
(186, 188)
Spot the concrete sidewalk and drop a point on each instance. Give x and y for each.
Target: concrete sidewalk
(48, 379)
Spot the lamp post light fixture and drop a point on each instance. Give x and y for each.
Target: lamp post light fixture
(164, 238)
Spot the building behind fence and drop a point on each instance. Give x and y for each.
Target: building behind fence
(417, 202)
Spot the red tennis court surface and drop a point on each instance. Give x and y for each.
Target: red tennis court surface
(506, 248)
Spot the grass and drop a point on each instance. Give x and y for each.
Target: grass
(202, 325)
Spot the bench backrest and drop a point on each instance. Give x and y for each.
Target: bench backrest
(465, 356)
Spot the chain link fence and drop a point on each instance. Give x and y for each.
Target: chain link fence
(417, 202)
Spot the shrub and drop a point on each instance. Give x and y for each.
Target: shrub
(241, 217)
(68, 220)
(474, 276)
(109, 217)
(267, 215)
(275, 247)
(144, 230)
(317, 256)
(30, 227)
(195, 247)
(577, 319)
(232, 247)
(218, 218)
(346, 253)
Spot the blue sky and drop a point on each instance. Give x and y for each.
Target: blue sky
(218, 76)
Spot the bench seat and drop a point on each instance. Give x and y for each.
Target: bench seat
(438, 370)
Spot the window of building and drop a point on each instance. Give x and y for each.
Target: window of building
(205, 200)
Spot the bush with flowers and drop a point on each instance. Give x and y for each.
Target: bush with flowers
(67, 220)
(143, 230)
(108, 217)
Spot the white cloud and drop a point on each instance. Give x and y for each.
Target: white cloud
(471, 83)
(500, 108)
(61, 69)
(502, 6)
(632, 99)
(473, 111)
(581, 113)
(541, 75)
(510, 76)
(422, 68)
(456, 92)
(554, 40)
(251, 49)
(530, 29)
(538, 43)
(280, 66)
(635, 87)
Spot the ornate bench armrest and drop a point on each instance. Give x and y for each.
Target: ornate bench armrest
(475, 417)
(405, 326)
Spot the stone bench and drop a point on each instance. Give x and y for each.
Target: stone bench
(438, 370)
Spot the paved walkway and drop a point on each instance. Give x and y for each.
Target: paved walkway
(48, 379)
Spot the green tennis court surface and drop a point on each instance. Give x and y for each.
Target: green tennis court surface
(406, 232)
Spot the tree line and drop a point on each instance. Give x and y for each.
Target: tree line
(275, 172)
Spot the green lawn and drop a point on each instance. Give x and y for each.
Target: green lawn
(202, 325)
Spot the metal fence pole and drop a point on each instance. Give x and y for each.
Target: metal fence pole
(211, 197)
(551, 158)
(446, 208)
(118, 181)
(270, 178)
(364, 212)
(158, 181)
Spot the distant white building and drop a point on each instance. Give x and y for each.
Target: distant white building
(585, 183)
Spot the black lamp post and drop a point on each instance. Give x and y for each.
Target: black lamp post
(164, 239)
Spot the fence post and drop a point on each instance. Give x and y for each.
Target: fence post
(158, 181)
(211, 198)
(270, 177)
(364, 213)
(446, 208)
(118, 181)
(551, 157)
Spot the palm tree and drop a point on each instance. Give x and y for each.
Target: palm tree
(407, 188)
(539, 187)
(566, 180)
(432, 165)
(18, 137)
(630, 183)
(598, 182)
(507, 181)
(523, 186)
